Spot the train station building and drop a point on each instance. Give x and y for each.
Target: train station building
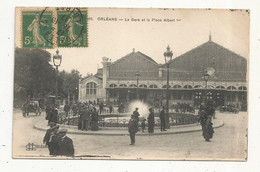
(138, 76)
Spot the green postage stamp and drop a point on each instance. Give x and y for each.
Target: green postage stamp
(37, 29)
(54, 27)
(72, 28)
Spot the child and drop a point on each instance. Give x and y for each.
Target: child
(143, 125)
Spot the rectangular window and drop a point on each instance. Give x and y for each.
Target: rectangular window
(176, 95)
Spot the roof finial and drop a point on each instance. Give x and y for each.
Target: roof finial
(168, 47)
(133, 49)
(209, 35)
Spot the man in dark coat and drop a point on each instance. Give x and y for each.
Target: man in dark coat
(162, 118)
(110, 108)
(132, 128)
(66, 109)
(85, 118)
(53, 116)
(101, 106)
(94, 120)
(25, 109)
(47, 136)
(48, 112)
(151, 121)
(74, 109)
(80, 116)
(136, 114)
(52, 144)
(65, 144)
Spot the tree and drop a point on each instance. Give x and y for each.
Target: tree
(71, 82)
(34, 77)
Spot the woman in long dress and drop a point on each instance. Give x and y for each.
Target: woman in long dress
(34, 27)
(208, 134)
(151, 121)
(70, 24)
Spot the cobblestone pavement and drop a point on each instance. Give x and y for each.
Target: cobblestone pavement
(229, 142)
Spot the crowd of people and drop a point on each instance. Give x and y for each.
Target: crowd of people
(101, 107)
(133, 126)
(58, 143)
(184, 107)
(88, 117)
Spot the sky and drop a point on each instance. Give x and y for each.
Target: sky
(115, 39)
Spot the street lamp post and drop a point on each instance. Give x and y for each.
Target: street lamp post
(137, 74)
(206, 78)
(168, 58)
(57, 58)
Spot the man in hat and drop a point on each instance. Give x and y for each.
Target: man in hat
(136, 114)
(52, 144)
(47, 136)
(65, 144)
(162, 119)
(66, 109)
(132, 128)
(53, 116)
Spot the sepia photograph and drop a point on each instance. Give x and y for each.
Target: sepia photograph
(131, 84)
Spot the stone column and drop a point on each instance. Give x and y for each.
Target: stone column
(105, 76)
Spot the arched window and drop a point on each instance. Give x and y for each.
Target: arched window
(132, 85)
(231, 88)
(143, 86)
(91, 88)
(153, 86)
(210, 86)
(112, 85)
(197, 86)
(122, 85)
(187, 86)
(220, 87)
(176, 86)
(242, 88)
(165, 86)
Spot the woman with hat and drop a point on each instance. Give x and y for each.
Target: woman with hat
(151, 121)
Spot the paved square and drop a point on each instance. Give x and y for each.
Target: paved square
(229, 142)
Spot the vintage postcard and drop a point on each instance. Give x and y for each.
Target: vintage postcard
(131, 84)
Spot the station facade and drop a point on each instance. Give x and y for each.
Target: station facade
(137, 76)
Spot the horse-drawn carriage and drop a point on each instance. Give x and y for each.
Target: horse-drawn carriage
(31, 107)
